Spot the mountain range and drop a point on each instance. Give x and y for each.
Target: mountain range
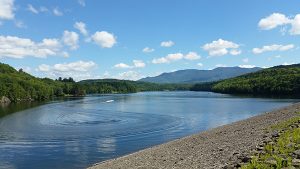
(198, 76)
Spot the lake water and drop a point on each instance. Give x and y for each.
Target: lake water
(77, 133)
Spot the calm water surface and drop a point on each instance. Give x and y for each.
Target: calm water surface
(78, 133)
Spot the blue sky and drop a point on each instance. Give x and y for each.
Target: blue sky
(136, 38)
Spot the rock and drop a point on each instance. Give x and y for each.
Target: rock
(296, 163)
(271, 161)
(4, 100)
(290, 167)
(297, 153)
(275, 134)
(246, 159)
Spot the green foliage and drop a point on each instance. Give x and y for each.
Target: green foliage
(20, 86)
(279, 151)
(275, 80)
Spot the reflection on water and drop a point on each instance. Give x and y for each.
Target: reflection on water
(77, 133)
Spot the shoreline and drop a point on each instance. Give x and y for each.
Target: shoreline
(214, 148)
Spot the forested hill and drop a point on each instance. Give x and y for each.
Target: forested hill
(198, 76)
(278, 80)
(21, 86)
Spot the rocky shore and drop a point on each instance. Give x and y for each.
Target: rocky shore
(227, 146)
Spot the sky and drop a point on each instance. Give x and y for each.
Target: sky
(132, 39)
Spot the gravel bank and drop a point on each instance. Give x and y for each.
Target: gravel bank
(214, 148)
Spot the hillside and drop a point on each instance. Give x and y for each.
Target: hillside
(197, 76)
(278, 80)
(96, 86)
(21, 86)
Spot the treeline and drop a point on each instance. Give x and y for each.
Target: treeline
(21, 86)
(278, 80)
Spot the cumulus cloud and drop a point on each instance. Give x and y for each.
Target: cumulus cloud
(192, 56)
(277, 19)
(7, 9)
(272, 21)
(57, 12)
(122, 66)
(81, 27)
(222, 47)
(15, 47)
(136, 64)
(129, 75)
(78, 70)
(71, 39)
(32, 9)
(44, 68)
(175, 57)
(81, 2)
(148, 50)
(104, 39)
(167, 43)
(288, 63)
(295, 23)
(247, 66)
(274, 47)
(235, 52)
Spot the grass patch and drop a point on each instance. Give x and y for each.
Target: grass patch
(279, 152)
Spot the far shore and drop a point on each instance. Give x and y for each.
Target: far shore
(215, 148)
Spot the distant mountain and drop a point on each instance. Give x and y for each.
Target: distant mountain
(197, 76)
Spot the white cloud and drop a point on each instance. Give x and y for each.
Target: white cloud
(81, 2)
(57, 12)
(274, 47)
(221, 65)
(167, 43)
(122, 66)
(71, 39)
(272, 21)
(129, 75)
(221, 47)
(79, 66)
(288, 63)
(15, 47)
(247, 66)
(160, 60)
(44, 68)
(295, 30)
(138, 63)
(78, 70)
(104, 39)
(235, 52)
(192, 56)
(245, 60)
(200, 64)
(278, 19)
(175, 57)
(81, 27)
(148, 50)
(7, 9)
(32, 9)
